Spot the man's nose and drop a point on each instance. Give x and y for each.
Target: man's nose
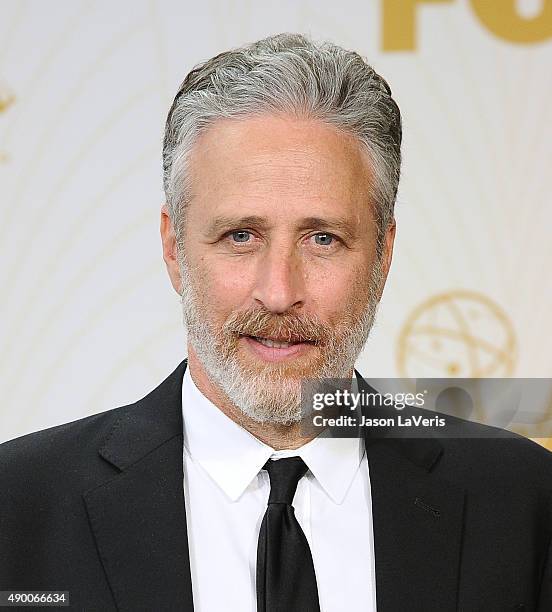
(279, 284)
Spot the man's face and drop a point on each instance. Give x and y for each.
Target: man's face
(279, 246)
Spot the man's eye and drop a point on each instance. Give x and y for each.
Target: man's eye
(324, 239)
(240, 236)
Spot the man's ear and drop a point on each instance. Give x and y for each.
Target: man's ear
(168, 239)
(388, 247)
(387, 254)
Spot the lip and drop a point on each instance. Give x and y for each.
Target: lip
(275, 354)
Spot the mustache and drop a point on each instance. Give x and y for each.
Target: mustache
(285, 327)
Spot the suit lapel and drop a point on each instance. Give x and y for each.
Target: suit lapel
(418, 521)
(138, 517)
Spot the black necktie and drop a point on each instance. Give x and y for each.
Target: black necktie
(286, 581)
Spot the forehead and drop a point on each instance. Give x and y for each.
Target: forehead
(275, 156)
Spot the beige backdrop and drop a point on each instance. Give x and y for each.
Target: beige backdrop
(89, 319)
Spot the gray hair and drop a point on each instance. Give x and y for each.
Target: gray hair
(290, 74)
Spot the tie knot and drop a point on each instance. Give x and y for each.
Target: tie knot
(284, 475)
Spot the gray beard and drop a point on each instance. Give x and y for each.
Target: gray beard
(267, 395)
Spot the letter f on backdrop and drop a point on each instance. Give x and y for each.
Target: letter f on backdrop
(399, 23)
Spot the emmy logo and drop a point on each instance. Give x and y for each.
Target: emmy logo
(457, 334)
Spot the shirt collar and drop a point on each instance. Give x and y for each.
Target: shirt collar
(232, 456)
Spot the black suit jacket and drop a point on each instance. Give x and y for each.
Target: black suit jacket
(96, 507)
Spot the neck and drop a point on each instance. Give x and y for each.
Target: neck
(277, 436)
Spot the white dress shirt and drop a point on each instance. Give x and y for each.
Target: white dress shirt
(226, 492)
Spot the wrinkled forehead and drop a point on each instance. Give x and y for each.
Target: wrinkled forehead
(279, 158)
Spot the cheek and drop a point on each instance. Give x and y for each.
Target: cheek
(329, 290)
(223, 291)
(343, 290)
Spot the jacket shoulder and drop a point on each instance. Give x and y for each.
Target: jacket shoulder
(64, 456)
(496, 457)
(471, 452)
(59, 439)
(68, 455)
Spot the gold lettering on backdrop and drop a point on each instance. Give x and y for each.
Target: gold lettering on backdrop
(399, 23)
(503, 20)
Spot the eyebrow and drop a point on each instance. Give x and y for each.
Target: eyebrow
(223, 222)
(340, 224)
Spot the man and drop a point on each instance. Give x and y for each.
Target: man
(281, 167)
